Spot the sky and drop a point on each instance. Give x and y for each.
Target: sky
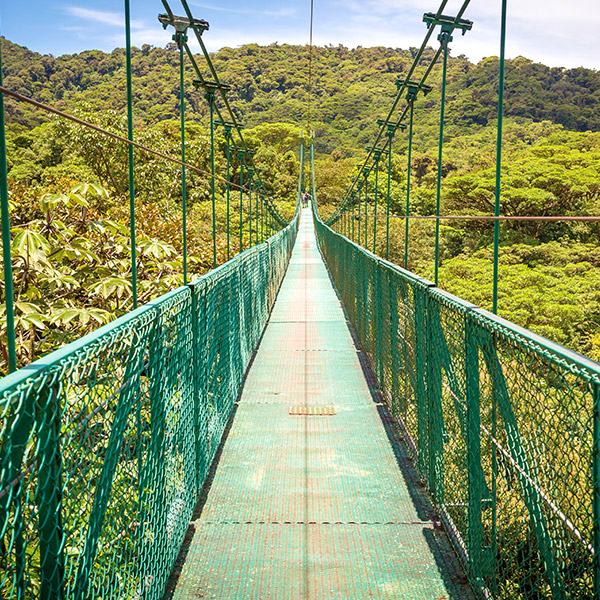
(543, 30)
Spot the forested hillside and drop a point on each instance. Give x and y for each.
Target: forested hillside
(69, 186)
(351, 88)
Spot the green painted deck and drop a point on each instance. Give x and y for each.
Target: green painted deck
(319, 506)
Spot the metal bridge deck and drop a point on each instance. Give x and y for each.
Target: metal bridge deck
(319, 506)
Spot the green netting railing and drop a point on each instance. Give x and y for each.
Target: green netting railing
(105, 444)
(503, 426)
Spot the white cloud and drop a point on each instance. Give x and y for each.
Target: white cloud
(112, 19)
(279, 12)
(541, 30)
(235, 11)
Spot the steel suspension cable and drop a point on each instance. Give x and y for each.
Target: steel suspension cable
(398, 96)
(367, 172)
(457, 22)
(210, 96)
(389, 183)
(221, 88)
(310, 53)
(257, 214)
(228, 138)
(378, 156)
(6, 241)
(7, 92)
(408, 175)
(130, 155)
(198, 27)
(359, 225)
(179, 38)
(445, 38)
(242, 161)
(584, 218)
(250, 185)
(499, 157)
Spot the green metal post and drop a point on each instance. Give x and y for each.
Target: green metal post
(499, 158)
(49, 497)
(379, 324)
(366, 207)
(444, 38)
(301, 178)
(433, 416)
(263, 213)
(312, 171)
(473, 458)
(408, 174)
(262, 220)
(389, 184)
(7, 258)
(359, 212)
(130, 154)
(394, 345)
(250, 183)
(228, 137)
(181, 39)
(353, 218)
(210, 96)
(259, 217)
(256, 213)
(242, 157)
(596, 485)
(377, 157)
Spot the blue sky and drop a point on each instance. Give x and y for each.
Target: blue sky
(543, 30)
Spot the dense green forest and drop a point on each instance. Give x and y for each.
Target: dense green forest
(68, 185)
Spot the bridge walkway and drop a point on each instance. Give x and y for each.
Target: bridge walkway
(313, 506)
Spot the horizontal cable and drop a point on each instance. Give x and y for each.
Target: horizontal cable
(115, 136)
(482, 217)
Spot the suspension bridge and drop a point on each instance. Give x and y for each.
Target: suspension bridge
(307, 420)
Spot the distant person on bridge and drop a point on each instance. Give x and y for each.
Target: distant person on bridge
(305, 199)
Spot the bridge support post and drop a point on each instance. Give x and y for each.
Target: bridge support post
(366, 172)
(180, 39)
(49, 497)
(394, 344)
(199, 350)
(377, 157)
(359, 226)
(423, 355)
(250, 183)
(434, 404)
(379, 330)
(228, 138)
(242, 158)
(596, 487)
(130, 155)
(411, 100)
(473, 442)
(7, 258)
